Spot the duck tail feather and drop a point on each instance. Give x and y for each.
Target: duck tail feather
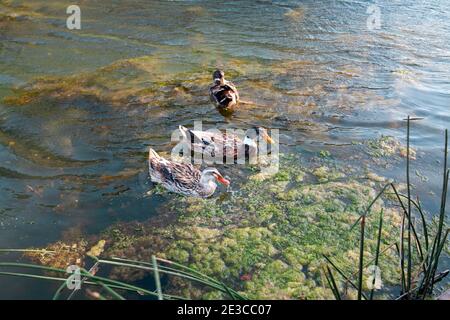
(184, 131)
(152, 154)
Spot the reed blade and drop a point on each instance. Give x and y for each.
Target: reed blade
(361, 257)
(332, 284)
(157, 279)
(377, 252)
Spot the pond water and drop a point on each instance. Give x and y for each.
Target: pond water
(73, 151)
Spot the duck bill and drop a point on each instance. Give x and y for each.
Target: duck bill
(268, 139)
(223, 181)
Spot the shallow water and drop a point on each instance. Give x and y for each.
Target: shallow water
(312, 70)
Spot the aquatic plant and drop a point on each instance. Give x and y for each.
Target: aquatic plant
(113, 289)
(268, 239)
(419, 253)
(273, 230)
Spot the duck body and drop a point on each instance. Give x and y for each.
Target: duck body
(223, 94)
(231, 146)
(183, 178)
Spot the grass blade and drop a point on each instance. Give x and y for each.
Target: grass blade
(424, 224)
(93, 278)
(344, 276)
(426, 285)
(370, 206)
(377, 252)
(189, 272)
(332, 284)
(408, 184)
(361, 256)
(112, 292)
(413, 229)
(157, 279)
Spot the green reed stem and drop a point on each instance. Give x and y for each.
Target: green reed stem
(186, 271)
(408, 183)
(426, 285)
(332, 283)
(157, 279)
(361, 256)
(377, 253)
(344, 276)
(405, 214)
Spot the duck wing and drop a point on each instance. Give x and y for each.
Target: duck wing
(180, 177)
(183, 175)
(203, 138)
(231, 87)
(215, 94)
(217, 140)
(223, 95)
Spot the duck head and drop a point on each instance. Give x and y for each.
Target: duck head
(212, 175)
(260, 132)
(219, 77)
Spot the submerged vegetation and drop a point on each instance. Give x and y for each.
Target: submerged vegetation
(268, 238)
(419, 251)
(111, 287)
(292, 235)
(311, 231)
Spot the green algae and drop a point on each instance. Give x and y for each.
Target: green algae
(267, 240)
(388, 146)
(324, 174)
(264, 247)
(148, 80)
(324, 154)
(60, 254)
(165, 80)
(384, 146)
(137, 80)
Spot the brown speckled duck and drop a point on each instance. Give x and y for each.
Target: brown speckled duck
(223, 93)
(183, 178)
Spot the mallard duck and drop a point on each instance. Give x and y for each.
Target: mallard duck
(211, 142)
(223, 93)
(183, 178)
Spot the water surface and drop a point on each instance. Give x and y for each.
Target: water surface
(312, 69)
